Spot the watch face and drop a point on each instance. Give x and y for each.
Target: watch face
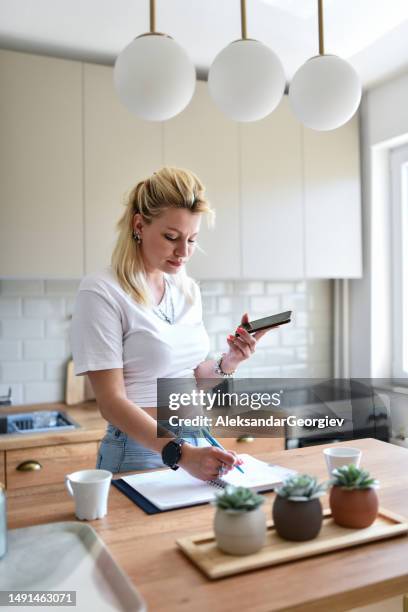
(171, 453)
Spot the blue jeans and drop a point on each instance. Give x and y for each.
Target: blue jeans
(120, 453)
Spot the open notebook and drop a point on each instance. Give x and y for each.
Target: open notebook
(168, 489)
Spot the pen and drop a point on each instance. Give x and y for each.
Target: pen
(215, 442)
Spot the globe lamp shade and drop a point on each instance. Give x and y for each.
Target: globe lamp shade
(325, 92)
(154, 77)
(246, 80)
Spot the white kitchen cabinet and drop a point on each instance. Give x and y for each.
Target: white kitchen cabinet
(120, 150)
(202, 140)
(287, 199)
(332, 202)
(41, 231)
(272, 197)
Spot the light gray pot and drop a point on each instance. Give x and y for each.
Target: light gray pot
(240, 533)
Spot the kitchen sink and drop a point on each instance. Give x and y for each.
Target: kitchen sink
(36, 422)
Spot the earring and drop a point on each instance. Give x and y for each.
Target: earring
(137, 237)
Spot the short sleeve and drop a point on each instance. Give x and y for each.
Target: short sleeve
(96, 333)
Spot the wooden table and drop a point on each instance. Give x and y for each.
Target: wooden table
(145, 547)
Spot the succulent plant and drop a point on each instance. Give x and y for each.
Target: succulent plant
(301, 488)
(351, 477)
(238, 499)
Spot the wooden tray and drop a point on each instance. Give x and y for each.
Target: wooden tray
(203, 551)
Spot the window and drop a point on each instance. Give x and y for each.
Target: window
(399, 191)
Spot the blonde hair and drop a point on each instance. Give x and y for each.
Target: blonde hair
(166, 188)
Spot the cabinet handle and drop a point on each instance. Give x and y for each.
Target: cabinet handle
(29, 466)
(245, 439)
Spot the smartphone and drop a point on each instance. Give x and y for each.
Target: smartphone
(267, 322)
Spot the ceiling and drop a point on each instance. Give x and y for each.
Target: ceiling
(372, 34)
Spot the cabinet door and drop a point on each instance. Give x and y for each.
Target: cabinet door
(41, 167)
(333, 202)
(202, 140)
(272, 207)
(120, 150)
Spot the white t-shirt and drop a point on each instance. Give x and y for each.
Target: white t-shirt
(111, 330)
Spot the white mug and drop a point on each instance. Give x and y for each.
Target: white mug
(337, 456)
(90, 490)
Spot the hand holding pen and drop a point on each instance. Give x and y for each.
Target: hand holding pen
(215, 443)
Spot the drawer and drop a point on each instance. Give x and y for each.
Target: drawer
(54, 461)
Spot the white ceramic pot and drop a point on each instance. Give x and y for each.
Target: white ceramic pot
(240, 533)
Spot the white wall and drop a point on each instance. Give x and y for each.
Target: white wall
(384, 124)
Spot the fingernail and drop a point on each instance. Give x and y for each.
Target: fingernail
(240, 329)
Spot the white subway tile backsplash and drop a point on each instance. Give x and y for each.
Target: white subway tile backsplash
(294, 337)
(271, 338)
(21, 371)
(55, 370)
(259, 372)
(279, 356)
(279, 288)
(61, 287)
(10, 307)
(35, 321)
(57, 328)
(264, 306)
(38, 392)
(17, 392)
(22, 328)
(297, 370)
(44, 349)
(249, 288)
(300, 319)
(218, 323)
(216, 287)
(302, 353)
(233, 304)
(11, 349)
(22, 287)
(295, 302)
(209, 304)
(43, 307)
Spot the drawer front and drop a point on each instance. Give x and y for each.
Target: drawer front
(54, 463)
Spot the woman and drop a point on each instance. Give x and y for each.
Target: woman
(141, 319)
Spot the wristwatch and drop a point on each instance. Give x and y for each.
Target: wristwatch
(171, 453)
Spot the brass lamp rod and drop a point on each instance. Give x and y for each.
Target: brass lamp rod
(152, 16)
(321, 32)
(243, 19)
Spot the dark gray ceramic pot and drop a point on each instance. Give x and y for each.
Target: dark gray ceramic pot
(297, 520)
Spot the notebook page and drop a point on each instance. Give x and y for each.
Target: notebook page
(257, 475)
(171, 489)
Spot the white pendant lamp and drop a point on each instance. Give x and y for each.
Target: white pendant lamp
(326, 91)
(153, 76)
(246, 80)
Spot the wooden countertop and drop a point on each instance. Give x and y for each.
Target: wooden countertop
(145, 547)
(87, 415)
